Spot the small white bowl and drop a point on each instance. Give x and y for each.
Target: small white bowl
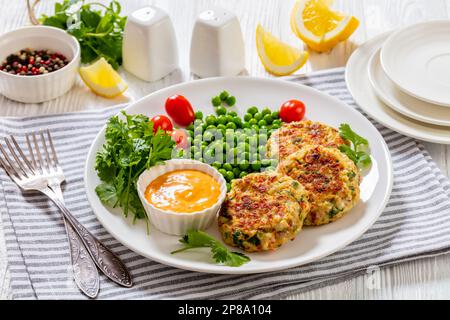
(39, 88)
(178, 223)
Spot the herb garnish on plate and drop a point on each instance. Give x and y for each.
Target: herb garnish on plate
(357, 152)
(131, 147)
(199, 239)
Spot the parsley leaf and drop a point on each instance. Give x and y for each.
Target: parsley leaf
(358, 149)
(199, 239)
(130, 147)
(99, 32)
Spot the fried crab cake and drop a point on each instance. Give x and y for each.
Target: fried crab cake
(294, 135)
(263, 211)
(331, 178)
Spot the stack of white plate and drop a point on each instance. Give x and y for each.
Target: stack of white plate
(402, 80)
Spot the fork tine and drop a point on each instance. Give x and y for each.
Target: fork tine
(24, 158)
(15, 170)
(47, 156)
(30, 149)
(38, 152)
(52, 147)
(25, 171)
(8, 169)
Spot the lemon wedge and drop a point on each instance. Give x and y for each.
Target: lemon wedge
(318, 26)
(102, 79)
(278, 57)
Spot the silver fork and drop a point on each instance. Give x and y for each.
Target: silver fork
(28, 177)
(85, 272)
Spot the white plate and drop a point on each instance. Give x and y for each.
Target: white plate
(389, 93)
(417, 60)
(358, 83)
(312, 243)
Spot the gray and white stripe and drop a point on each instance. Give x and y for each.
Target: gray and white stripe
(414, 224)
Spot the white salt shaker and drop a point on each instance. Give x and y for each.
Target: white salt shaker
(217, 44)
(149, 44)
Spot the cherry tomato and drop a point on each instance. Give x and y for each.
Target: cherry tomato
(180, 138)
(292, 110)
(180, 110)
(161, 122)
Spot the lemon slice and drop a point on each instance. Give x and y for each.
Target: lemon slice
(318, 26)
(278, 57)
(102, 79)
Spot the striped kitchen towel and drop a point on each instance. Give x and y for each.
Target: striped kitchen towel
(415, 223)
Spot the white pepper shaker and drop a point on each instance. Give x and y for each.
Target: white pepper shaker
(149, 44)
(217, 44)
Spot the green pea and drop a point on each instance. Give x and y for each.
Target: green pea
(268, 119)
(221, 110)
(275, 114)
(258, 116)
(199, 115)
(229, 176)
(237, 121)
(244, 165)
(231, 101)
(277, 121)
(256, 166)
(223, 172)
(231, 125)
(191, 133)
(248, 117)
(197, 155)
(192, 149)
(275, 126)
(266, 111)
(222, 120)
(221, 126)
(216, 101)
(227, 166)
(246, 125)
(228, 187)
(262, 151)
(233, 113)
(252, 110)
(262, 123)
(229, 118)
(265, 162)
(211, 120)
(216, 164)
(243, 174)
(236, 172)
(224, 95)
(255, 127)
(252, 122)
(263, 127)
(211, 127)
(190, 127)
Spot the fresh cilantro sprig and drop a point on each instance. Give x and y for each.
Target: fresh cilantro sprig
(358, 149)
(199, 239)
(99, 32)
(130, 147)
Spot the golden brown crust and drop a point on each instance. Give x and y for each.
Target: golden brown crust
(331, 178)
(291, 137)
(262, 211)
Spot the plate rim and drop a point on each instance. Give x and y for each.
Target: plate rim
(429, 138)
(390, 74)
(394, 104)
(381, 206)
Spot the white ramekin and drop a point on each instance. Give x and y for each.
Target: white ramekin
(39, 88)
(178, 223)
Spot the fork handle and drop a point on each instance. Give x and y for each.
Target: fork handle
(104, 258)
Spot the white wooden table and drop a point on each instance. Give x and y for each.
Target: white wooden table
(426, 278)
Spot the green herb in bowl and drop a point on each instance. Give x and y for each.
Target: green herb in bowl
(99, 31)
